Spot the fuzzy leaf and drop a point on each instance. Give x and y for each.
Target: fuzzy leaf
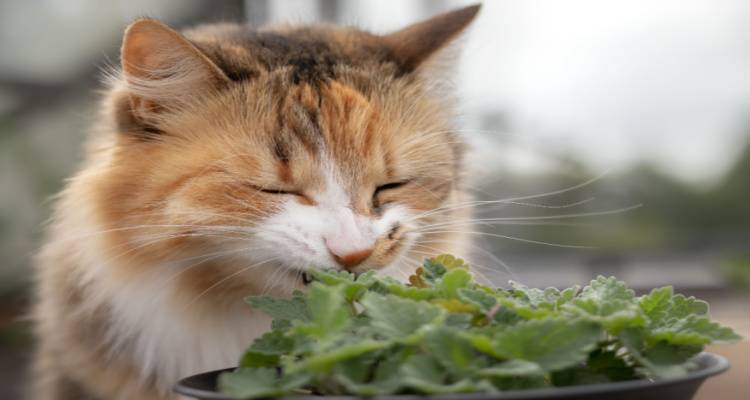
(451, 350)
(482, 300)
(328, 310)
(608, 302)
(267, 349)
(452, 281)
(293, 309)
(393, 317)
(255, 383)
(693, 330)
(512, 369)
(553, 344)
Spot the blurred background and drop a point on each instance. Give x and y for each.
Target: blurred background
(616, 133)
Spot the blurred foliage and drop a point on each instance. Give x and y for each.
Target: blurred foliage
(737, 271)
(673, 216)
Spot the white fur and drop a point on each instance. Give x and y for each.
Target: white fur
(171, 341)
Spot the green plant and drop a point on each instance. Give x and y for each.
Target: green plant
(444, 333)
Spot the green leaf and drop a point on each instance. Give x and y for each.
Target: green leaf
(478, 298)
(684, 306)
(552, 343)
(512, 369)
(282, 325)
(530, 296)
(254, 383)
(693, 330)
(608, 302)
(325, 361)
(450, 349)
(353, 286)
(423, 373)
(411, 292)
(332, 277)
(459, 321)
(267, 349)
(424, 369)
(452, 281)
(530, 303)
(329, 312)
(449, 262)
(661, 360)
(657, 304)
(273, 342)
(680, 320)
(396, 318)
(354, 375)
(431, 271)
(294, 309)
(252, 359)
(609, 364)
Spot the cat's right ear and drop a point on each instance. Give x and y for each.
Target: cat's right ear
(161, 68)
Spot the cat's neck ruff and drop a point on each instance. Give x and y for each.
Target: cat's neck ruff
(167, 339)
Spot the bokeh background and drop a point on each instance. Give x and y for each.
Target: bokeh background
(616, 134)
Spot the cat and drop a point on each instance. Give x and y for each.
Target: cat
(227, 160)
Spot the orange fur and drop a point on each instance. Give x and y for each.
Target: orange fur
(206, 136)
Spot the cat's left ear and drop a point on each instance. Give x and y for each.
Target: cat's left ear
(417, 44)
(161, 68)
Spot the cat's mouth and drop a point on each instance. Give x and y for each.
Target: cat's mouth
(306, 278)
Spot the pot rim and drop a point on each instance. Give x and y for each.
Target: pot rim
(709, 364)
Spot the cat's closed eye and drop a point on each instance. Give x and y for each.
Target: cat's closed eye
(301, 197)
(376, 201)
(271, 190)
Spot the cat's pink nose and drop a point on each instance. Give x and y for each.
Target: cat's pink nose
(350, 260)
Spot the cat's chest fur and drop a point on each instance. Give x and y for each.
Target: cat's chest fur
(168, 339)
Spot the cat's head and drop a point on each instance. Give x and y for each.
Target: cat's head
(295, 146)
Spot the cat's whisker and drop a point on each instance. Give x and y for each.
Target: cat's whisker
(492, 222)
(518, 198)
(435, 196)
(234, 214)
(567, 216)
(245, 203)
(152, 242)
(558, 216)
(87, 234)
(566, 246)
(205, 258)
(216, 254)
(271, 282)
(568, 205)
(228, 277)
(223, 160)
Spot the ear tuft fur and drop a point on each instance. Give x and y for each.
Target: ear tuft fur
(415, 44)
(161, 68)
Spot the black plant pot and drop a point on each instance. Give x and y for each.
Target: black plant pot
(203, 387)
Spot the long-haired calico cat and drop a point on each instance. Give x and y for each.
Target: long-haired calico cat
(227, 160)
